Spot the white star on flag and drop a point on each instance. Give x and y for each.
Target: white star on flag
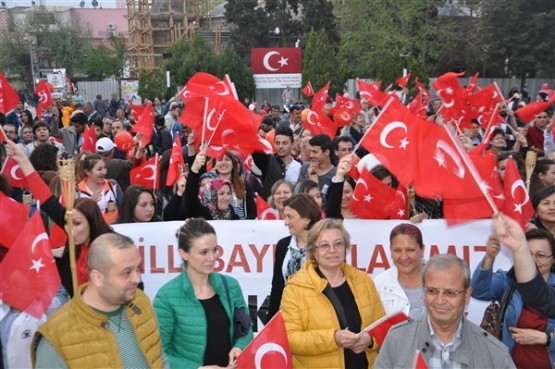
(449, 91)
(401, 212)
(518, 208)
(404, 143)
(368, 198)
(37, 264)
(440, 158)
(283, 61)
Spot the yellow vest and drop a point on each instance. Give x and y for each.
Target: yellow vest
(76, 332)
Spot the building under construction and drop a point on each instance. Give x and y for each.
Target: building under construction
(154, 25)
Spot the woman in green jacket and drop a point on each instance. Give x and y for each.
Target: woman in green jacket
(195, 309)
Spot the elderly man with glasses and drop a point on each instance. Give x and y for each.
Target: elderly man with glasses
(444, 337)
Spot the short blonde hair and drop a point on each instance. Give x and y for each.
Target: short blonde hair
(317, 229)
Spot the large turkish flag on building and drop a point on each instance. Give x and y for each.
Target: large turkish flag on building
(276, 60)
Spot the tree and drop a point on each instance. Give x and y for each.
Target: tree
(319, 14)
(250, 26)
(320, 63)
(189, 57)
(241, 75)
(152, 83)
(104, 62)
(48, 37)
(378, 30)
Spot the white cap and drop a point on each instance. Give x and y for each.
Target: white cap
(104, 145)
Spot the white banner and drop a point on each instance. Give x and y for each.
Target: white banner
(292, 80)
(247, 249)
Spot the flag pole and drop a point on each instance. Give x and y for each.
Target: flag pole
(204, 118)
(473, 172)
(67, 182)
(155, 174)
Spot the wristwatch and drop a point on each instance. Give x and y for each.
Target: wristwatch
(548, 342)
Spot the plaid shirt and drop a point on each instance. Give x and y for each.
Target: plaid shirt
(441, 358)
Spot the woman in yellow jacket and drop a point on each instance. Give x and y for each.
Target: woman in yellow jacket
(327, 303)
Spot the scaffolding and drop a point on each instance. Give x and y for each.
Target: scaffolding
(154, 25)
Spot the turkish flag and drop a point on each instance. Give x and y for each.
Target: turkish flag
(344, 103)
(419, 106)
(13, 216)
(269, 349)
(176, 162)
(276, 60)
(44, 91)
(372, 199)
(145, 124)
(89, 139)
(517, 200)
(458, 211)
(264, 211)
(28, 272)
(308, 90)
(443, 168)
(136, 109)
(419, 362)
(528, 113)
(8, 95)
(216, 152)
(3, 137)
(70, 84)
(12, 171)
(207, 85)
(399, 206)
(403, 81)
(58, 236)
(472, 83)
(450, 91)
(146, 174)
(353, 173)
(318, 122)
(320, 97)
(393, 140)
(372, 92)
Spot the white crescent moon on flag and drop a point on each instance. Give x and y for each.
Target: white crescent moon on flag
(363, 182)
(444, 146)
(446, 103)
(346, 115)
(12, 172)
(152, 167)
(520, 183)
(41, 237)
(309, 118)
(266, 60)
(390, 127)
(269, 214)
(209, 118)
(43, 97)
(264, 349)
(223, 92)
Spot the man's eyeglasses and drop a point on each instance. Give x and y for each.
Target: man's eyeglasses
(9, 131)
(324, 246)
(436, 291)
(540, 256)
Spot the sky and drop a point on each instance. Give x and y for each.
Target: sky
(70, 3)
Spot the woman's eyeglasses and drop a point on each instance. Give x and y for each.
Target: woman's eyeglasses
(324, 246)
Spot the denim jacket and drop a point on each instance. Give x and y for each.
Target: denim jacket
(487, 286)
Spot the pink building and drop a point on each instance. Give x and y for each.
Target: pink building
(103, 22)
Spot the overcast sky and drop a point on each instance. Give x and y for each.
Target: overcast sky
(70, 3)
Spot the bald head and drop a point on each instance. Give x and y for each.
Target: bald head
(99, 256)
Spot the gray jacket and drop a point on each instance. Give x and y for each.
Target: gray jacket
(478, 348)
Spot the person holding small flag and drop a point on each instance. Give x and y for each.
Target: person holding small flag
(327, 303)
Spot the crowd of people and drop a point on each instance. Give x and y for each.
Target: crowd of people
(309, 181)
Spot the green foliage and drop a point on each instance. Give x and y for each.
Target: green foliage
(320, 63)
(241, 75)
(377, 33)
(106, 61)
(152, 84)
(65, 44)
(189, 57)
(251, 27)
